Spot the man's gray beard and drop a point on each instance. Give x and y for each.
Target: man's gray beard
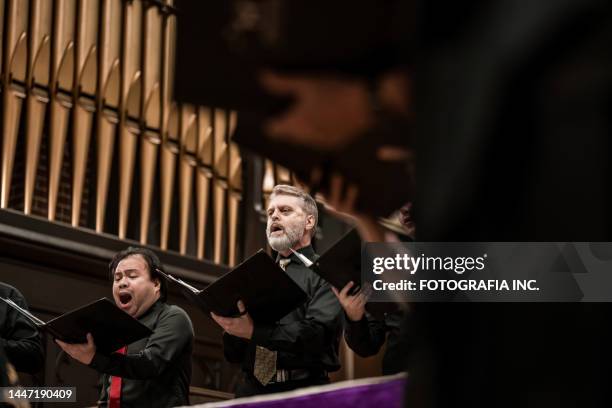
(291, 236)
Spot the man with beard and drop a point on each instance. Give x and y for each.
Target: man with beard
(152, 372)
(300, 349)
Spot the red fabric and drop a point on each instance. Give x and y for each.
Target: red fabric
(114, 397)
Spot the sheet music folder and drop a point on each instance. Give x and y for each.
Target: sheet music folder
(110, 327)
(267, 291)
(341, 264)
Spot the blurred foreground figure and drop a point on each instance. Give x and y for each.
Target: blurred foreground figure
(363, 126)
(330, 112)
(332, 96)
(514, 133)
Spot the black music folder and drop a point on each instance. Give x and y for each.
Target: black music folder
(110, 326)
(267, 291)
(341, 263)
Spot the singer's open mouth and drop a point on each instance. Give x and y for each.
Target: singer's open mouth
(276, 228)
(125, 298)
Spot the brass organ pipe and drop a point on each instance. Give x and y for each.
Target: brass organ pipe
(15, 60)
(62, 81)
(234, 188)
(203, 176)
(151, 115)
(107, 101)
(169, 152)
(130, 107)
(169, 123)
(86, 68)
(36, 83)
(187, 164)
(220, 180)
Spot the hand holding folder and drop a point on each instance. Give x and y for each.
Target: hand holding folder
(236, 326)
(341, 264)
(265, 289)
(110, 327)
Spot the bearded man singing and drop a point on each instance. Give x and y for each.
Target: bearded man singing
(302, 348)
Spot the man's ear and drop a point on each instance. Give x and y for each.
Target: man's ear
(157, 284)
(310, 220)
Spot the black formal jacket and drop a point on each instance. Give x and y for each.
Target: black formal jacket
(156, 371)
(367, 336)
(307, 338)
(18, 336)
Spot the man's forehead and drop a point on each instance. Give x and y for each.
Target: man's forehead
(282, 199)
(132, 262)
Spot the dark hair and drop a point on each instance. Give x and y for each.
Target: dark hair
(152, 262)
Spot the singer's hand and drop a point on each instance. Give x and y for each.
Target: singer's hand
(353, 305)
(236, 326)
(83, 352)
